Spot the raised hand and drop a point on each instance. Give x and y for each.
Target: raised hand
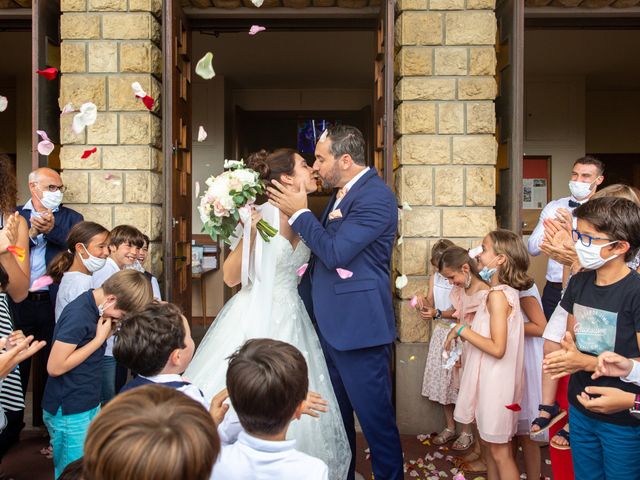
(611, 364)
(218, 408)
(9, 234)
(314, 404)
(14, 355)
(289, 201)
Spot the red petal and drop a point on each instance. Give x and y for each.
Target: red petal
(148, 102)
(87, 153)
(514, 406)
(48, 73)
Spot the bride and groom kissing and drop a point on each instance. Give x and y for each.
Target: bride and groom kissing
(342, 323)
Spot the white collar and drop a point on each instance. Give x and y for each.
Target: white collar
(270, 446)
(164, 378)
(353, 181)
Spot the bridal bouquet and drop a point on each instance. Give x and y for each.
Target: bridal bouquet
(228, 199)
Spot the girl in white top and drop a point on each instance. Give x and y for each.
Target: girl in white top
(87, 252)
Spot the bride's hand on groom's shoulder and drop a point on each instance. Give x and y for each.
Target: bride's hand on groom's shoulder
(314, 405)
(218, 409)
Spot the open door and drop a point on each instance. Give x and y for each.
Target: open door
(383, 93)
(177, 151)
(509, 107)
(45, 41)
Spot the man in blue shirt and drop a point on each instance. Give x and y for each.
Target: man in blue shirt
(49, 224)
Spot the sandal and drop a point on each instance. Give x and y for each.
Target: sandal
(468, 458)
(445, 436)
(476, 467)
(463, 442)
(562, 433)
(544, 423)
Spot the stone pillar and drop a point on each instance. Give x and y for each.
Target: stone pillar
(446, 152)
(107, 45)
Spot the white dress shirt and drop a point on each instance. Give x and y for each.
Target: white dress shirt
(251, 458)
(554, 269)
(38, 250)
(634, 375)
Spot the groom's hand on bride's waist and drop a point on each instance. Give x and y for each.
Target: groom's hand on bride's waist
(288, 199)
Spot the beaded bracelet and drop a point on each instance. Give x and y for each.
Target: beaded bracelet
(460, 329)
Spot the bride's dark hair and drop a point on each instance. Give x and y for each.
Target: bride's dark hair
(273, 165)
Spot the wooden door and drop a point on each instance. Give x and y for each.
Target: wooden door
(383, 93)
(177, 149)
(45, 41)
(509, 117)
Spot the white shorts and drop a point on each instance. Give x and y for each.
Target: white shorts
(557, 325)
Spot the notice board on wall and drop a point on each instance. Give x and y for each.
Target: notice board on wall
(536, 189)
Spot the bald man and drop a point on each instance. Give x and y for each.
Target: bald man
(49, 224)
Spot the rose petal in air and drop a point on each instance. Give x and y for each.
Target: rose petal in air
(414, 302)
(197, 189)
(400, 240)
(202, 134)
(344, 274)
(45, 147)
(48, 73)
(401, 282)
(137, 90)
(323, 137)
(87, 116)
(68, 108)
(3, 103)
(41, 282)
(255, 29)
(406, 206)
(475, 251)
(514, 406)
(148, 102)
(257, 3)
(88, 153)
(303, 268)
(204, 68)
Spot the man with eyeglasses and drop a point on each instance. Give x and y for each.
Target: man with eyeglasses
(586, 175)
(49, 224)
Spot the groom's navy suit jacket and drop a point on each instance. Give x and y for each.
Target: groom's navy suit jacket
(356, 312)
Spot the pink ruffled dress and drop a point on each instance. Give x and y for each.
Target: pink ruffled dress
(488, 384)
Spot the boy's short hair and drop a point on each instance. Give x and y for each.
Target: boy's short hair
(126, 234)
(131, 288)
(589, 160)
(267, 380)
(617, 218)
(151, 432)
(146, 338)
(72, 471)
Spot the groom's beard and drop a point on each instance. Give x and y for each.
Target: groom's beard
(333, 177)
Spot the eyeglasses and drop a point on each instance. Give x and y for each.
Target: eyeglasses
(585, 239)
(55, 188)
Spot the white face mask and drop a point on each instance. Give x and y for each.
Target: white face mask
(93, 264)
(103, 307)
(590, 256)
(580, 190)
(136, 265)
(51, 200)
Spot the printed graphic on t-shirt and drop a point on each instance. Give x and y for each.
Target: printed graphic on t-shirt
(595, 329)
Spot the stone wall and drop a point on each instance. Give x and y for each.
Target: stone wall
(107, 45)
(445, 145)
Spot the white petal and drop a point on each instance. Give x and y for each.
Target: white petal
(45, 147)
(197, 189)
(3, 103)
(401, 282)
(406, 206)
(323, 137)
(204, 67)
(87, 116)
(202, 134)
(137, 90)
(257, 3)
(475, 251)
(400, 240)
(68, 108)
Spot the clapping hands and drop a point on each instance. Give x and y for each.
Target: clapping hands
(557, 242)
(9, 234)
(612, 365)
(18, 349)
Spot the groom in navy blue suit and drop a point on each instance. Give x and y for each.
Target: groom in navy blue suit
(354, 316)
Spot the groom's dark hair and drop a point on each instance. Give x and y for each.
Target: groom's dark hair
(267, 380)
(347, 140)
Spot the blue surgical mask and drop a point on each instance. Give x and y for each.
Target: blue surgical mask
(486, 273)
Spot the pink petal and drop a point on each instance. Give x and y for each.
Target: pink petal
(45, 147)
(42, 134)
(68, 108)
(255, 29)
(3, 103)
(88, 153)
(344, 274)
(414, 302)
(41, 282)
(48, 73)
(475, 251)
(108, 176)
(303, 268)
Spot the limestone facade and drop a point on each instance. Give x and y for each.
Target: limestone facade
(445, 146)
(106, 46)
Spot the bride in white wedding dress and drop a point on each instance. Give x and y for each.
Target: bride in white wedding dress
(268, 306)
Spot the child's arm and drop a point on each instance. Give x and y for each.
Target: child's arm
(533, 311)
(65, 357)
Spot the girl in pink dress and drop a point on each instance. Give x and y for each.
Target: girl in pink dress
(493, 375)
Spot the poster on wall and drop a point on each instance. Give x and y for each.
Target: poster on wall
(534, 193)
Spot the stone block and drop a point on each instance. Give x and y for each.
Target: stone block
(480, 149)
(415, 117)
(418, 28)
(153, 6)
(128, 158)
(416, 285)
(107, 5)
(446, 4)
(414, 61)
(412, 256)
(72, 57)
(451, 61)
(423, 149)
(121, 95)
(420, 222)
(104, 131)
(78, 183)
(450, 117)
(79, 89)
(470, 28)
(105, 191)
(140, 57)
(70, 158)
(468, 222)
(482, 61)
(138, 216)
(99, 214)
(404, 5)
(415, 185)
(143, 187)
(481, 4)
(103, 57)
(130, 26)
(140, 129)
(67, 135)
(79, 26)
(73, 5)
(425, 88)
(481, 117)
(411, 328)
(449, 186)
(481, 187)
(477, 88)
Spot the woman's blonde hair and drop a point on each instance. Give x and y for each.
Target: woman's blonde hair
(131, 288)
(619, 190)
(513, 271)
(151, 433)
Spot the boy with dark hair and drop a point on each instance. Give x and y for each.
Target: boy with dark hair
(268, 383)
(604, 315)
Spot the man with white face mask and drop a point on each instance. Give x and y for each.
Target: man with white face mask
(586, 175)
(49, 224)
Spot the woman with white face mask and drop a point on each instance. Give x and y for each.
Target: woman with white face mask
(87, 253)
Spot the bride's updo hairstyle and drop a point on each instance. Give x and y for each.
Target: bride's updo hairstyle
(271, 166)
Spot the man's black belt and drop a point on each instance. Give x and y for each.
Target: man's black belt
(556, 285)
(38, 296)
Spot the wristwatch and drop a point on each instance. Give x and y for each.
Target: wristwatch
(635, 411)
(438, 314)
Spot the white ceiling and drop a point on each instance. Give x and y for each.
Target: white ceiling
(607, 58)
(291, 59)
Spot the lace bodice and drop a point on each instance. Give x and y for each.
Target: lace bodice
(289, 260)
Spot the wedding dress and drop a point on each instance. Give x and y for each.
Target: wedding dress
(269, 306)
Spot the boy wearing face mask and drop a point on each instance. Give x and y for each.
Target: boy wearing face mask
(604, 315)
(72, 394)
